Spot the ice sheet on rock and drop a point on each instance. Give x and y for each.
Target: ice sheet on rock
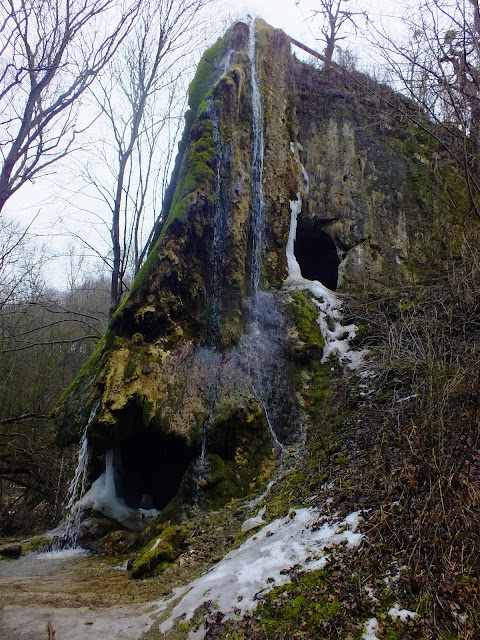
(102, 497)
(232, 584)
(293, 266)
(305, 177)
(256, 521)
(337, 336)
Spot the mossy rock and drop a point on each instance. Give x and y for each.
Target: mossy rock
(38, 543)
(220, 483)
(73, 411)
(160, 552)
(304, 314)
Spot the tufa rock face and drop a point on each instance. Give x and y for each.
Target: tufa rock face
(176, 387)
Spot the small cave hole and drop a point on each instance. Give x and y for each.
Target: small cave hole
(316, 254)
(151, 468)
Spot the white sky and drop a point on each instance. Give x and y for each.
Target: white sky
(44, 198)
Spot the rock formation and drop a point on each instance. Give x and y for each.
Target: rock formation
(191, 395)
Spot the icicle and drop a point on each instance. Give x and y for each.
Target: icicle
(102, 497)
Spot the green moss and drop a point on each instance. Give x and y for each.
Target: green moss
(221, 483)
(75, 405)
(317, 393)
(207, 71)
(283, 495)
(418, 143)
(130, 367)
(34, 544)
(305, 605)
(160, 552)
(194, 165)
(305, 315)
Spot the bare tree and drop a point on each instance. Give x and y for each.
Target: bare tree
(20, 262)
(51, 51)
(438, 65)
(335, 15)
(139, 99)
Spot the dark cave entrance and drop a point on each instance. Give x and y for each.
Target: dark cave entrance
(316, 254)
(151, 468)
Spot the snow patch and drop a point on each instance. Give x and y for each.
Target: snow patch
(371, 594)
(256, 521)
(392, 579)
(371, 629)
(401, 614)
(299, 541)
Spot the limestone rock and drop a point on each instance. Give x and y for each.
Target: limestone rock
(170, 389)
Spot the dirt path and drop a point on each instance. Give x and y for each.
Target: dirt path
(81, 597)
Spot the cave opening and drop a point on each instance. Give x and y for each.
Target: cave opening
(316, 254)
(151, 468)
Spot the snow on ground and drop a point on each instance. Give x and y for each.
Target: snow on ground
(401, 614)
(301, 540)
(371, 628)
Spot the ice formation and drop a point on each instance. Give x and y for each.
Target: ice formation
(253, 523)
(102, 497)
(337, 335)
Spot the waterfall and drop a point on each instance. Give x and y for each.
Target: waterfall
(201, 465)
(76, 490)
(219, 230)
(338, 336)
(258, 205)
(264, 342)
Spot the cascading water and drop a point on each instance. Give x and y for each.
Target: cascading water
(264, 341)
(212, 363)
(337, 339)
(219, 231)
(256, 363)
(257, 220)
(76, 489)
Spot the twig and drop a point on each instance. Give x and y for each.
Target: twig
(51, 632)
